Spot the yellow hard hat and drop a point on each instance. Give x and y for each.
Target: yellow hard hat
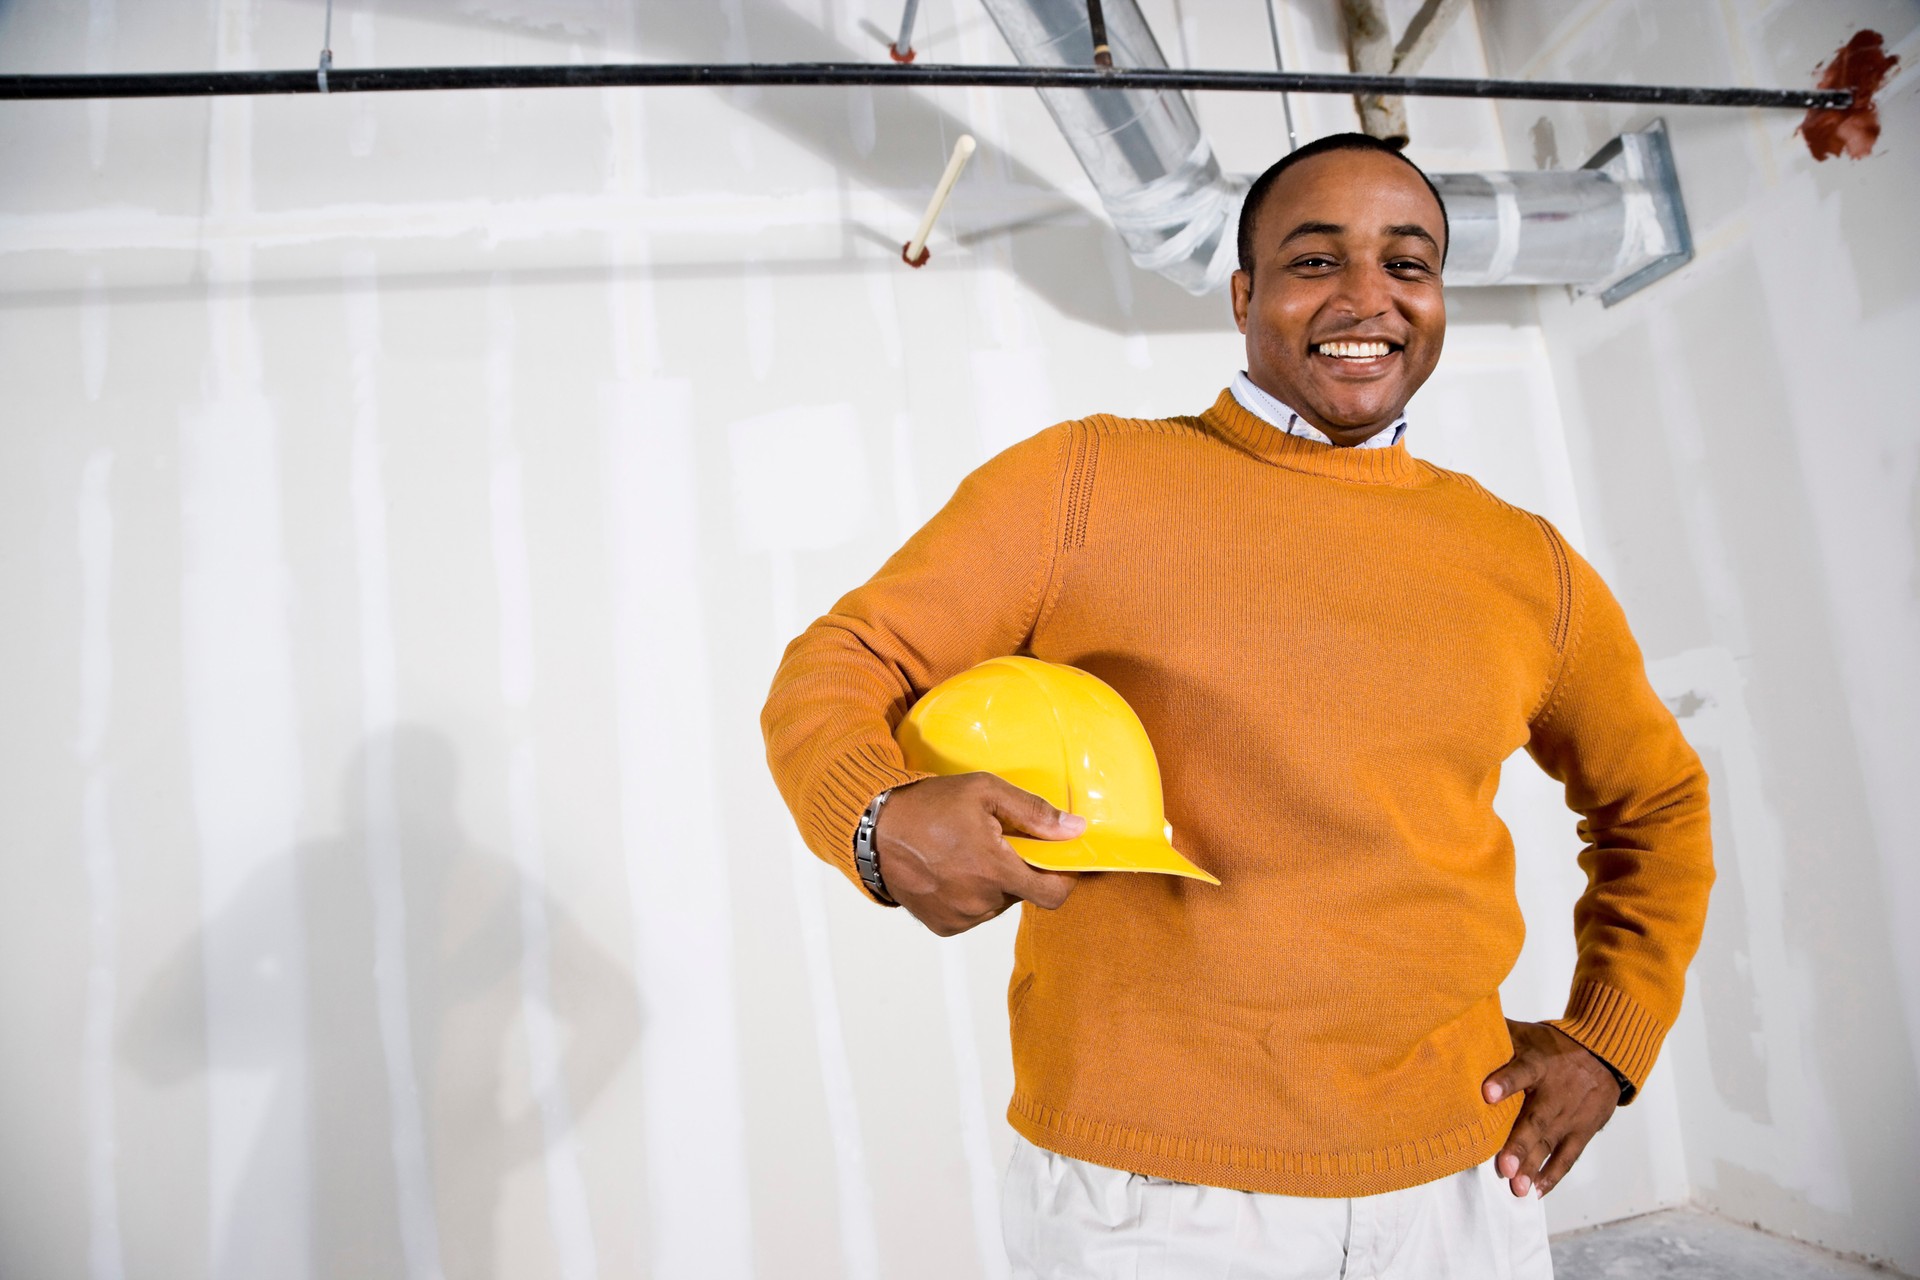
(1067, 737)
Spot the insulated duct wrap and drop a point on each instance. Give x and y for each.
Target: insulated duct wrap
(1533, 228)
(1144, 151)
(1610, 227)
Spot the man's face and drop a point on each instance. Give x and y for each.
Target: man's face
(1343, 310)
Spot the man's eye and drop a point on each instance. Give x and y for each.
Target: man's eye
(1406, 264)
(1314, 260)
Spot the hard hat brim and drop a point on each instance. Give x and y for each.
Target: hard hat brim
(1107, 851)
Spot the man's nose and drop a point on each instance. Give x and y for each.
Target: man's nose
(1363, 291)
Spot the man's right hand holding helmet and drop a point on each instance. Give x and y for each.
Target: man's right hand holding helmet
(944, 856)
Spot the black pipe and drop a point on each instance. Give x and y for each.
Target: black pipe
(1097, 28)
(201, 84)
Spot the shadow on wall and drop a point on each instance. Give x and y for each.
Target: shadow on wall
(897, 148)
(467, 1103)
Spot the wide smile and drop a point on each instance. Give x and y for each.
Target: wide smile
(1357, 358)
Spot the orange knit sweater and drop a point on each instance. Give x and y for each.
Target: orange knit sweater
(1332, 650)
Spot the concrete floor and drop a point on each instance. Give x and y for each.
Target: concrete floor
(1685, 1244)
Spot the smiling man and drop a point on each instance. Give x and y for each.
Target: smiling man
(1305, 1071)
(1344, 319)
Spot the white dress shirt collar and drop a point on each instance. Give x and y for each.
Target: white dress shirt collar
(1277, 415)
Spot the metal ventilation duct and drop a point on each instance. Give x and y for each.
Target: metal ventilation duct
(1610, 227)
(1152, 166)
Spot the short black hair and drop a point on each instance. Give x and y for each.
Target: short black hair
(1262, 185)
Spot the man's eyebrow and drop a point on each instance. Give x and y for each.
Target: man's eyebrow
(1312, 229)
(1415, 230)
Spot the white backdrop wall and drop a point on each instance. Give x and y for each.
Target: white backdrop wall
(403, 503)
(1747, 456)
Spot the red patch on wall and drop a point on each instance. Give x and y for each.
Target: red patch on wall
(1862, 65)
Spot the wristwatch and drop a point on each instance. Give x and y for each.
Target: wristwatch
(866, 858)
(1626, 1085)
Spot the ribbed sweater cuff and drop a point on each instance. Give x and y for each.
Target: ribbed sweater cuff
(849, 786)
(1613, 1025)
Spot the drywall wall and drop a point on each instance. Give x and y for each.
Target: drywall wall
(1747, 453)
(403, 502)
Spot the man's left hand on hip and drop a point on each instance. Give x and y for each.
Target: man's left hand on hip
(1571, 1095)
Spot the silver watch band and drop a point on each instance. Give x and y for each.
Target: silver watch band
(866, 858)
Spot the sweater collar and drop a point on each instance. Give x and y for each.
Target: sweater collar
(1391, 465)
(1277, 413)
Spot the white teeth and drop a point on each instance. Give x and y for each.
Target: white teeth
(1354, 350)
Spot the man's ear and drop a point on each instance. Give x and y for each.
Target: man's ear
(1242, 297)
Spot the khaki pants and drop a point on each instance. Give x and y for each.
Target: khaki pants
(1066, 1219)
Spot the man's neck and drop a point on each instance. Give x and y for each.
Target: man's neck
(1281, 416)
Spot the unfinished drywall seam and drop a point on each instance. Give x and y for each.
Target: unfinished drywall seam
(699, 1209)
(699, 1206)
(413, 1178)
(956, 988)
(105, 1258)
(574, 1249)
(99, 60)
(784, 463)
(983, 1182)
(364, 131)
(492, 221)
(859, 1226)
(243, 749)
(95, 335)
